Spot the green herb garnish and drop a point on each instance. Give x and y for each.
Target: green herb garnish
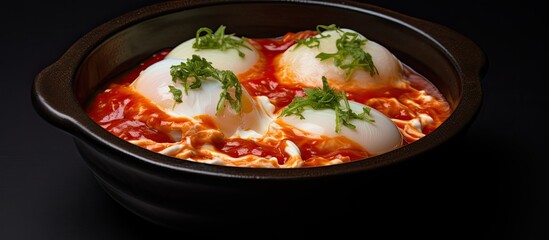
(218, 40)
(315, 40)
(310, 42)
(350, 55)
(322, 28)
(327, 98)
(199, 69)
(176, 94)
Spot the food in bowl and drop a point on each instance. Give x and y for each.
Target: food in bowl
(305, 99)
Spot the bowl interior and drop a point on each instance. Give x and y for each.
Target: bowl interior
(123, 46)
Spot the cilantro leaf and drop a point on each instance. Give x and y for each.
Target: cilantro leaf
(218, 40)
(350, 55)
(199, 69)
(176, 94)
(314, 41)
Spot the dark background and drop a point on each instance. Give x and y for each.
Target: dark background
(492, 184)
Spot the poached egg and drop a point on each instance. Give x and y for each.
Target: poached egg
(299, 66)
(155, 81)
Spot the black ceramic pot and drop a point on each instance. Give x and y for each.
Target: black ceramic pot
(184, 194)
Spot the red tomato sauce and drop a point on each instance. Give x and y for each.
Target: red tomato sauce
(242, 147)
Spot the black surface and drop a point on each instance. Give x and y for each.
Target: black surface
(492, 184)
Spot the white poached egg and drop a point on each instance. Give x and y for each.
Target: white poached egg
(299, 66)
(155, 81)
(376, 137)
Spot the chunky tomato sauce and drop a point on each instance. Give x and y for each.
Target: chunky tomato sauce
(133, 117)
